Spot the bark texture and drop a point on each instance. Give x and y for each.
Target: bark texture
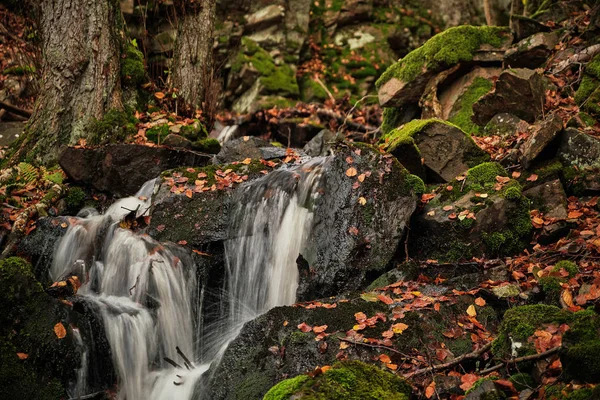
(81, 73)
(192, 59)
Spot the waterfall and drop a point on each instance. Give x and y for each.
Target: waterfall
(147, 296)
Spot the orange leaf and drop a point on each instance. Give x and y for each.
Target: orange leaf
(393, 367)
(385, 299)
(532, 178)
(471, 311)
(320, 329)
(159, 95)
(480, 301)
(22, 356)
(399, 327)
(351, 172)
(247, 161)
(502, 179)
(384, 358)
(430, 391)
(575, 214)
(189, 193)
(60, 331)
(467, 381)
(516, 175)
(304, 327)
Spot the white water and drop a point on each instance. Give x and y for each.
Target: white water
(146, 295)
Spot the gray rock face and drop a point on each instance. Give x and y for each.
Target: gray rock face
(321, 144)
(514, 89)
(542, 134)
(580, 149)
(122, 169)
(505, 124)
(531, 52)
(241, 148)
(550, 198)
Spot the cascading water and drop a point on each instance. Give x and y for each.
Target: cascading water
(146, 296)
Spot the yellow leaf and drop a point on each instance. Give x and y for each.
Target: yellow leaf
(351, 172)
(246, 138)
(362, 201)
(247, 161)
(471, 311)
(399, 327)
(60, 331)
(344, 345)
(361, 177)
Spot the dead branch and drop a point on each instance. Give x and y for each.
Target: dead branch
(377, 346)
(173, 363)
(469, 356)
(186, 361)
(15, 110)
(521, 359)
(584, 55)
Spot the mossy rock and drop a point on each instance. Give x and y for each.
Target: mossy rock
(433, 149)
(347, 380)
(133, 71)
(115, 127)
(405, 81)
(463, 112)
(588, 94)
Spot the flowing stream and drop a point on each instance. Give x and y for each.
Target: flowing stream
(147, 296)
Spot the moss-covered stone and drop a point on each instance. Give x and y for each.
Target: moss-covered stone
(448, 48)
(207, 145)
(462, 117)
(133, 71)
(588, 94)
(157, 134)
(75, 197)
(346, 380)
(581, 346)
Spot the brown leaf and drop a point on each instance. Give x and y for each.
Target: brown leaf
(189, 193)
(60, 331)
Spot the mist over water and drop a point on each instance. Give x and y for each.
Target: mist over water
(148, 298)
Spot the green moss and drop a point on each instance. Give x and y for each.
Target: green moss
(207, 145)
(254, 168)
(194, 131)
(522, 381)
(115, 127)
(486, 173)
(75, 198)
(512, 193)
(347, 380)
(416, 184)
(588, 94)
(462, 117)
(391, 120)
(252, 387)
(20, 70)
(568, 266)
(133, 72)
(280, 79)
(453, 46)
(520, 323)
(582, 394)
(17, 284)
(551, 286)
(157, 134)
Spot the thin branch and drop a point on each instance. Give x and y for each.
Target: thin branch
(15, 110)
(521, 359)
(378, 346)
(452, 363)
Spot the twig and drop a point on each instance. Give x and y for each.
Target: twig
(583, 56)
(521, 359)
(15, 110)
(187, 362)
(378, 346)
(173, 363)
(457, 360)
(320, 82)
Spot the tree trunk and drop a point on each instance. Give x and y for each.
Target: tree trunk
(80, 81)
(192, 59)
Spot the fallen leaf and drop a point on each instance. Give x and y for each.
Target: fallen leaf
(189, 193)
(399, 327)
(304, 327)
(351, 172)
(467, 381)
(362, 201)
(384, 358)
(391, 366)
(575, 214)
(344, 345)
(361, 177)
(159, 95)
(471, 311)
(449, 188)
(502, 179)
(320, 329)
(385, 299)
(60, 331)
(480, 301)
(516, 175)
(532, 178)
(430, 390)
(22, 356)
(247, 161)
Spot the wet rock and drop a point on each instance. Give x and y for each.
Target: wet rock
(365, 219)
(38, 247)
(405, 81)
(505, 124)
(321, 144)
(524, 27)
(121, 169)
(580, 149)
(506, 291)
(174, 140)
(514, 88)
(531, 52)
(272, 347)
(542, 135)
(296, 132)
(433, 150)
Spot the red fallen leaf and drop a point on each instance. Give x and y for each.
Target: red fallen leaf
(384, 358)
(467, 381)
(537, 222)
(304, 327)
(532, 178)
(320, 329)
(159, 95)
(442, 354)
(385, 299)
(449, 188)
(349, 160)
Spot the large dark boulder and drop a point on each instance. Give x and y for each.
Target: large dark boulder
(121, 169)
